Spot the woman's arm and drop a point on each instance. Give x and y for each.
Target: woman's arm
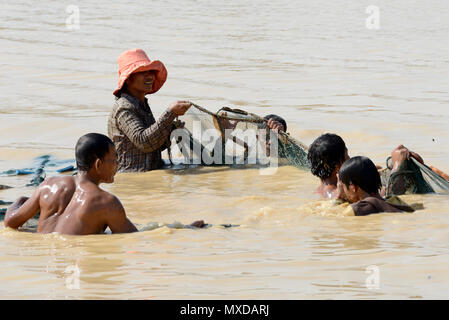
(147, 139)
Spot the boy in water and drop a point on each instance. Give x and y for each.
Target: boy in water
(326, 156)
(75, 204)
(360, 181)
(276, 123)
(328, 153)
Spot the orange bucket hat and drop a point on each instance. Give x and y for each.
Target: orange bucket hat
(136, 60)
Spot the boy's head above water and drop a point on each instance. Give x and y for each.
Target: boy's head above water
(326, 154)
(96, 155)
(359, 178)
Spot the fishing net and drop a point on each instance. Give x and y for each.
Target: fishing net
(233, 137)
(413, 177)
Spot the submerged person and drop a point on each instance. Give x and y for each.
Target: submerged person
(404, 175)
(76, 205)
(138, 137)
(360, 182)
(326, 156)
(328, 153)
(276, 123)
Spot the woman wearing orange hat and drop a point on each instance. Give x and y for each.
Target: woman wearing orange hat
(138, 137)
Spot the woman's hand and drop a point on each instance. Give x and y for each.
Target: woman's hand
(180, 107)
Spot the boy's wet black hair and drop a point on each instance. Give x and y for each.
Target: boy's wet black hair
(362, 172)
(278, 119)
(325, 154)
(89, 148)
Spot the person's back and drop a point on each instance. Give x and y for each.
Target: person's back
(374, 204)
(70, 206)
(76, 205)
(54, 194)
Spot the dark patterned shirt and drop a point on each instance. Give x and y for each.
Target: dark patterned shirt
(372, 205)
(138, 137)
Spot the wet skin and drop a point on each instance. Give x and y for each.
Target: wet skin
(353, 193)
(329, 187)
(74, 205)
(276, 126)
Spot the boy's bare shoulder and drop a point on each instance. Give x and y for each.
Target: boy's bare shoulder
(58, 182)
(105, 200)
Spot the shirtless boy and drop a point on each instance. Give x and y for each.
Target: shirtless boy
(76, 205)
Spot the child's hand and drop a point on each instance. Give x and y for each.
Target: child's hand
(275, 125)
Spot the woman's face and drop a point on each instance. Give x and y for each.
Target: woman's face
(109, 166)
(141, 81)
